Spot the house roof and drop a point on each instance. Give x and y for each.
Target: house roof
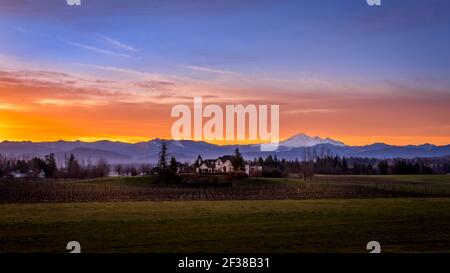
(210, 163)
(198, 162)
(226, 157)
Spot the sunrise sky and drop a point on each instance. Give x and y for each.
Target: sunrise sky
(114, 69)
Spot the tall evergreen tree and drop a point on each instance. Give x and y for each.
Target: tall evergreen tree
(238, 160)
(162, 162)
(173, 167)
(73, 167)
(50, 166)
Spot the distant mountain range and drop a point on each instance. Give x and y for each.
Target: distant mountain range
(299, 146)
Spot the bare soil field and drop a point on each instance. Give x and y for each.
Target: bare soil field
(143, 189)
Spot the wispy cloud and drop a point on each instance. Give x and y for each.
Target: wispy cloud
(61, 89)
(8, 106)
(211, 70)
(119, 44)
(132, 72)
(97, 50)
(310, 111)
(65, 102)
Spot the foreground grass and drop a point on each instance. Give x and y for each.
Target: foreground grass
(400, 224)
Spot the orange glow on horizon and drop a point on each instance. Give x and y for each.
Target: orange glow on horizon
(348, 140)
(49, 112)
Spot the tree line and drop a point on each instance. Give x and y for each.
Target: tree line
(168, 167)
(46, 167)
(274, 167)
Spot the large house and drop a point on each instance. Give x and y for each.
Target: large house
(220, 165)
(223, 164)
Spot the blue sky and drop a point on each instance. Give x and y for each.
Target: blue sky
(345, 39)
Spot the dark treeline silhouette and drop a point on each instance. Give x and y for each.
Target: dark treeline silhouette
(238, 161)
(47, 168)
(168, 167)
(132, 169)
(166, 170)
(274, 167)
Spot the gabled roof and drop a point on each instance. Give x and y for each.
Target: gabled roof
(210, 163)
(226, 157)
(198, 161)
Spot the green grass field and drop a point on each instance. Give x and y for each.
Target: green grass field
(275, 226)
(401, 225)
(427, 182)
(430, 184)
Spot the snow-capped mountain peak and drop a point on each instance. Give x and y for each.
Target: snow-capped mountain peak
(302, 140)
